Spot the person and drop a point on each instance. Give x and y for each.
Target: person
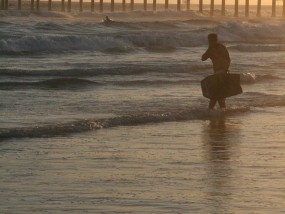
(107, 19)
(220, 57)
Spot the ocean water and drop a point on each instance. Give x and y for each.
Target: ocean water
(109, 118)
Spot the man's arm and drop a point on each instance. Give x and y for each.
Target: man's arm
(205, 56)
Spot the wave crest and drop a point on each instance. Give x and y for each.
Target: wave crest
(58, 83)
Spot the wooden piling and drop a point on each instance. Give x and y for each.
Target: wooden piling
(112, 5)
(124, 5)
(273, 8)
(80, 5)
(247, 8)
(92, 5)
(201, 6)
(223, 11)
(212, 7)
(19, 4)
(258, 8)
(62, 5)
(283, 8)
(101, 6)
(49, 5)
(2, 6)
(236, 8)
(132, 5)
(154, 5)
(69, 6)
(32, 5)
(38, 5)
(188, 5)
(178, 5)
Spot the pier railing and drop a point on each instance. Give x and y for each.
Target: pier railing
(66, 6)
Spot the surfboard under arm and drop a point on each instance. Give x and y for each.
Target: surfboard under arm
(221, 86)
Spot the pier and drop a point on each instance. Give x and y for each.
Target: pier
(212, 7)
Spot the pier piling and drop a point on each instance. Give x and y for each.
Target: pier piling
(69, 6)
(2, 6)
(62, 5)
(124, 5)
(188, 5)
(6, 5)
(92, 5)
(223, 12)
(201, 6)
(49, 5)
(273, 8)
(101, 6)
(132, 5)
(112, 5)
(32, 5)
(178, 5)
(247, 8)
(236, 8)
(258, 8)
(154, 5)
(80, 5)
(19, 4)
(212, 7)
(38, 5)
(35, 5)
(283, 8)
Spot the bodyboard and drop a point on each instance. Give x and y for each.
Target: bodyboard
(219, 86)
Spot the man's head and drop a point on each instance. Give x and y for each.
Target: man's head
(213, 39)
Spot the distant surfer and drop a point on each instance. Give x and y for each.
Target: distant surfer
(220, 57)
(107, 19)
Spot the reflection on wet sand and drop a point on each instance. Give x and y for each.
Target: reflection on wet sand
(221, 139)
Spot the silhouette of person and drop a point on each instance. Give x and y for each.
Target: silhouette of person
(107, 19)
(220, 57)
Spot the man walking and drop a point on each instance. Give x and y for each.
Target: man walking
(219, 55)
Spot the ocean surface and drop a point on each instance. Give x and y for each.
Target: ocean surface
(110, 118)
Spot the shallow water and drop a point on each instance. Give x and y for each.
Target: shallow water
(225, 165)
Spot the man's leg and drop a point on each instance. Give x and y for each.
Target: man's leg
(222, 103)
(212, 103)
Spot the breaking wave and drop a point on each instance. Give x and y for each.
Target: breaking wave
(259, 48)
(55, 43)
(250, 78)
(130, 69)
(154, 35)
(59, 83)
(76, 83)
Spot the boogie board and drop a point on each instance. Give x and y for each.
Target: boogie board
(221, 86)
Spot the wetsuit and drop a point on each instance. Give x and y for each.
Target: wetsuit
(220, 57)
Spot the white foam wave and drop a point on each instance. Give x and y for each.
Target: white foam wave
(159, 35)
(250, 78)
(259, 47)
(62, 43)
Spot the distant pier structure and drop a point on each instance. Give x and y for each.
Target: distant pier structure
(110, 5)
